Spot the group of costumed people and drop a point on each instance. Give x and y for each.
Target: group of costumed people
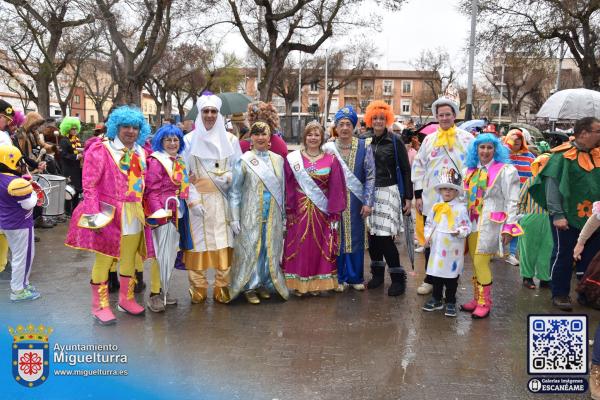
(300, 223)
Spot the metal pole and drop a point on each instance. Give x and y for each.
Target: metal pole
(559, 67)
(501, 94)
(299, 86)
(469, 106)
(326, 92)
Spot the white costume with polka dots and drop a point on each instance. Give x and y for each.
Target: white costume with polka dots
(448, 251)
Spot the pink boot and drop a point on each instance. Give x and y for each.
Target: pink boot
(100, 306)
(127, 301)
(470, 306)
(484, 305)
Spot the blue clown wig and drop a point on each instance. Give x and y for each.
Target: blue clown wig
(166, 131)
(500, 152)
(127, 116)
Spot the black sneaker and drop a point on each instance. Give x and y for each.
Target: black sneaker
(433, 304)
(562, 303)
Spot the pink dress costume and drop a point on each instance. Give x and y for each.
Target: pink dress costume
(166, 180)
(311, 244)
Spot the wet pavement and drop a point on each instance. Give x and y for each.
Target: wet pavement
(354, 345)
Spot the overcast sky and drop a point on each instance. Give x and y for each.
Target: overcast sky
(419, 25)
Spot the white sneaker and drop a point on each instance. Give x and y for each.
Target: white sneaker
(512, 260)
(358, 286)
(341, 287)
(425, 288)
(420, 249)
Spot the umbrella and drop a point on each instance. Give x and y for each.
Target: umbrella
(571, 104)
(534, 132)
(234, 102)
(428, 128)
(474, 123)
(166, 243)
(409, 236)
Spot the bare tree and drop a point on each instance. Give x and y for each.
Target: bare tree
(38, 28)
(137, 42)
(518, 24)
(97, 81)
(524, 76)
(273, 29)
(443, 74)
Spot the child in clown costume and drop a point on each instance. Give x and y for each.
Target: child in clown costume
(17, 200)
(166, 178)
(110, 220)
(446, 232)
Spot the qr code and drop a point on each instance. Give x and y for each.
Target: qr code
(557, 344)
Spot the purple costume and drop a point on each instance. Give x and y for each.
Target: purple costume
(311, 245)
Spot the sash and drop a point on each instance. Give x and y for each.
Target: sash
(308, 186)
(199, 165)
(355, 185)
(266, 175)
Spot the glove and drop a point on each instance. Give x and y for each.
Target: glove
(223, 181)
(235, 227)
(198, 210)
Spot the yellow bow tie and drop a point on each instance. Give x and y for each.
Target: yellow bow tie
(443, 208)
(446, 137)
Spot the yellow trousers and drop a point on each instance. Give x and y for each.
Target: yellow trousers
(198, 278)
(481, 262)
(3, 252)
(129, 252)
(139, 264)
(154, 277)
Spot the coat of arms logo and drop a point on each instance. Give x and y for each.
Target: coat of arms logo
(30, 354)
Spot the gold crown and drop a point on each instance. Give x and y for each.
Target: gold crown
(30, 332)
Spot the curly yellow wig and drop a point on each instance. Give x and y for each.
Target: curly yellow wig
(379, 107)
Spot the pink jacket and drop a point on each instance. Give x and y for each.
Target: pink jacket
(104, 181)
(159, 187)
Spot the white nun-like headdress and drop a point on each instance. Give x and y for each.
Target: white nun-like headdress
(213, 143)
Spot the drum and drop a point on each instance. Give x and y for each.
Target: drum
(55, 187)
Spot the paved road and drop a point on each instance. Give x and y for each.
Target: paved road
(348, 346)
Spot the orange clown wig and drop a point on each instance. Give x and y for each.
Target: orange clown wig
(509, 140)
(376, 108)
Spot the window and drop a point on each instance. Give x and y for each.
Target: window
(367, 86)
(351, 88)
(389, 101)
(406, 87)
(405, 105)
(314, 86)
(76, 99)
(350, 101)
(312, 101)
(92, 119)
(388, 87)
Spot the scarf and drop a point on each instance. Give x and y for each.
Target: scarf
(180, 177)
(133, 166)
(446, 137)
(75, 143)
(476, 187)
(443, 208)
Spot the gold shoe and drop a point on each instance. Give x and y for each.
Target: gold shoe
(198, 295)
(263, 293)
(251, 297)
(221, 295)
(341, 287)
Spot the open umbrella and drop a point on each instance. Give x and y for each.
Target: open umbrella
(428, 128)
(166, 243)
(409, 236)
(534, 132)
(234, 102)
(571, 104)
(474, 123)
